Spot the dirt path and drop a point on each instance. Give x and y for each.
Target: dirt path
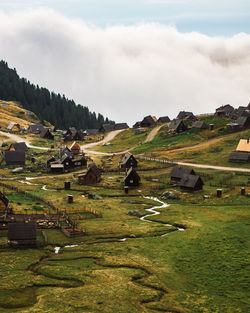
(213, 167)
(16, 138)
(201, 145)
(153, 133)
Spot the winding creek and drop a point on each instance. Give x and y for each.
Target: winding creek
(152, 211)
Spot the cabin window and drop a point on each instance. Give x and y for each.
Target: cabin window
(131, 181)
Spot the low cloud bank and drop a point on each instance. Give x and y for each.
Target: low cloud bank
(127, 72)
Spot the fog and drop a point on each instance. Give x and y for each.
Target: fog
(127, 72)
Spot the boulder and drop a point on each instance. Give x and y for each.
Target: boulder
(170, 195)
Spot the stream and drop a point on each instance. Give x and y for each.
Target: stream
(143, 218)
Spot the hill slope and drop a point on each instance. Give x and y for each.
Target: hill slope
(47, 105)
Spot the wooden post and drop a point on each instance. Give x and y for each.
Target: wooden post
(70, 199)
(243, 191)
(126, 189)
(67, 185)
(219, 193)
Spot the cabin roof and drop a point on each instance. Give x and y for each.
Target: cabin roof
(92, 131)
(107, 127)
(75, 145)
(19, 146)
(21, 231)
(126, 157)
(164, 119)
(174, 125)
(12, 124)
(36, 127)
(184, 114)
(243, 145)
(180, 171)
(44, 132)
(200, 125)
(243, 121)
(190, 181)
(121, 126)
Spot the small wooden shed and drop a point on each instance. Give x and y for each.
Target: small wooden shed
(191, 183)
(239, 157)
(148, 121)
(132, 178)
(127, 161)
(22, 234)
(15, 157)
(92, 176)
(178, 173)
(163, 119)
(75, 148)
(45, 133)
(177, 126)
(14, 127)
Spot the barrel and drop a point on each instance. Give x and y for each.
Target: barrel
(70, 199)
(219, 193)
(126, 189)
(67, 185)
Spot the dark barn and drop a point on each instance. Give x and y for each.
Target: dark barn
(178, 173)
(177, 126)
(46, 134)
(22, 234)
(191, 183)
(163, 119)
(240, 157)
(92, 176)
(15, 157)
(105, 128)
(132, 178)
(121, 126)
(200, 125)
(148, 121)
(127, 161)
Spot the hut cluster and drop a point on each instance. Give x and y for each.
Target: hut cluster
(242, 153)
(186, 178)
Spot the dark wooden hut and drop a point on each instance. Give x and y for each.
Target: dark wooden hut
(15, 157)
(148, 121)
(191, 183)
(80, 161)
(183, 115)
(224, 111)
(239, 157)
(72, 134)
(163, 119)
(18, 146)
(92, 176)
(127, 161)
(177, 126)
(22, 234)
(178, 173)
(92, 132)
(46, 134)
(65, 151)
(132, 178)
(121, 126)
(105, 128)
(200, 125)
(243, 121)
(137, 125)
(35, 128)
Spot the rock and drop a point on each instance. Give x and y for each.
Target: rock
(206, 197)
(169, 195)
(132, 236)
(97, 197)
(133, 213)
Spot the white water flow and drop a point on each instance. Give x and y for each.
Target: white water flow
(44, 187)
(143, 218)
(26, 182)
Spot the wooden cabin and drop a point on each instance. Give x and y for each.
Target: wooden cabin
(67, 162)
(18, 146)
(191, 183)
(243, 122)
(132, 179)
(177, 126)
(92, 176)
(137, 125)
(35, 128)
(239, 157)
(22, 234)
(163, 119)
(148, 121)
(127, 161)
(121, 126)
(14, 157)
(183, 115)
(65, 151)
(75, 148)
(200, 125)
(14, 127)
(224, 111)
(81, 161)
(178, 173)
(72, 134)
(105, 128)
(46, 134)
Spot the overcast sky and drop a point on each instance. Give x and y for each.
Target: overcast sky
(126, 59)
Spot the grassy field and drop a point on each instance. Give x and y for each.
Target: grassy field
(148, 265)
(125, 140)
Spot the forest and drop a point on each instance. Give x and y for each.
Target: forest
(54, 108)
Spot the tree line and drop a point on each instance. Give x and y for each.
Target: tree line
(54, 108)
